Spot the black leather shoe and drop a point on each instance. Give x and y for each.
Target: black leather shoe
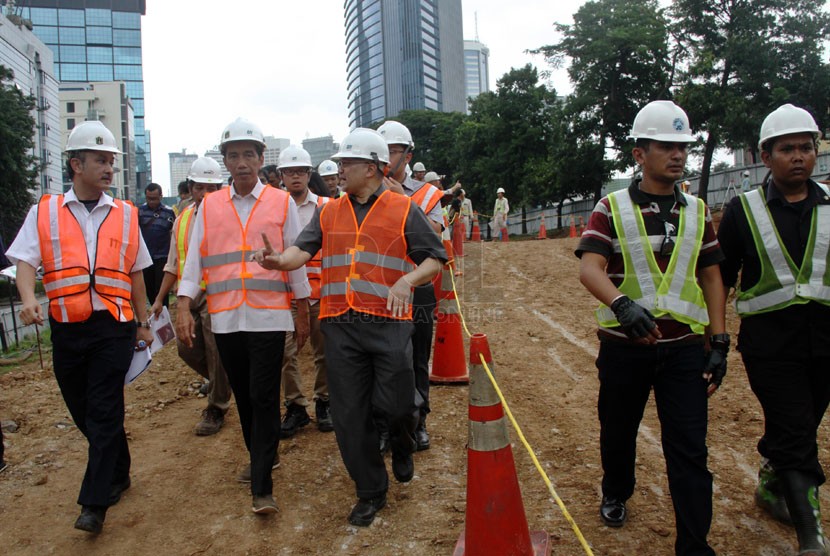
(323, 411)
(296, 417)
(403, 467)
(384, 443)
(117, 490)
(363, 513)
(612, 511)
(421, 437)
(91, 519)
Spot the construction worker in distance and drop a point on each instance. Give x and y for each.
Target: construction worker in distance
(428, 198)
(205, 177)
(295, 171)
(328, 171)
(376, 247)
(746, 185)
(775, 238)
(501, 209)
(650, 256)
(419, 172)
(466, 212)
(92, 255)
(250, 307)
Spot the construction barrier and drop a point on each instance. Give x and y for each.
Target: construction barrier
(464, 231)
(572, 232)
(476, 229)
(448, 362)
(543, 233)
(458, 237)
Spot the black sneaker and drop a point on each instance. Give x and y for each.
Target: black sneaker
(295, 418)
(323, 411)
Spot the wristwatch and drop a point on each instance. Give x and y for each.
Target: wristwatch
(720, 339)
(143, 324)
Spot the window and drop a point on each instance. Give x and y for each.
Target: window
(70, 109)
(99, 35)
(49, 35)
(99, 55)
(123, 37)
(73, 72)
(127, 73)
(72, 35)
(71, 54)
(135, 89)
(98, 17)
(71, 18)
(138, 106)
(124, 20)
(70, 123)
(99, 72)
(127, 55)
(44, 16)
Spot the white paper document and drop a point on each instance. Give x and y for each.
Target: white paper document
(163, 332)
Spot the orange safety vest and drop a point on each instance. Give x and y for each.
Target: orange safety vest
(231, 278)
(427, 197)
(360, 265)
(314, 265)
(67, 278)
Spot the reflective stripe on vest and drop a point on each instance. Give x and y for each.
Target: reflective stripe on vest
(231, 278)
(182, 235)
(781, 283)
(427, 197)
(360, 265)
(313, 266)
(67, 279)
(677, 293)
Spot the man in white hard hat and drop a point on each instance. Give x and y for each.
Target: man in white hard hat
(466, 211)
(366, 312)
(155, 220)
(650, 256)
(419, 171)
(92, 255)
(775, 238)
(428, 198)
(295, 171)
(250, 307)
(205, 177)
(328, 171)
(746, 184)
(501, 209)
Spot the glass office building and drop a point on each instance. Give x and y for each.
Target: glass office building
(97, 40)
(476, 68)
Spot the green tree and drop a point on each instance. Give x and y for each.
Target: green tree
(619, 62)
(18, 170)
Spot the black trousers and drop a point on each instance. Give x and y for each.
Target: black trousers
(423, 317)
(153, 275)
(253, 362)
(794, 394)
(627, 374)
(90, 361)
(370, 366)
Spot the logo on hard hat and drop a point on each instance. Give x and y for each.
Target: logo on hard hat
(678, 124)
(348, 147)
(249, 132)
(99, 140)
(227, 134)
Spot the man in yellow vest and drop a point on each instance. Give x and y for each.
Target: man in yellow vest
(376, 247)
(98, 314)
(777, 237)
(650, 256)
(250, 307)
(205, 177)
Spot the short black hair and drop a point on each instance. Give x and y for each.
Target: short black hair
(317, 185)
(153, 187)
(270, 168)
(770, 143)
(80, 155)
(184, 187)
(260, 148)
(643, 144)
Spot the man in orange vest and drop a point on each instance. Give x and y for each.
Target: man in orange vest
(205, 176)
(376, 247)
(250, 307)
(93, 307)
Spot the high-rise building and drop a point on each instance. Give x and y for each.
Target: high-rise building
(403, 55)
(180, 164)
(216, 155)
(32, 63)
(273, 148)
(98, 40)
(476, 69)
(320, 148)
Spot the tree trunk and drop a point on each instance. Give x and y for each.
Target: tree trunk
(559, 214)
(524, 220)
(598, 186)
(708, 153)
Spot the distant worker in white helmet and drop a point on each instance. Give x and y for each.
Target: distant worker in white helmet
(501, 209)
(328, 171)
(205, 177)
(746, 184)
(650, 256)
(776, 242)
(466, 211)
(419, 171)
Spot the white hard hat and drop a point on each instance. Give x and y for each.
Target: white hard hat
(662, 120)
(500, 190)
(327, 168)
(242, 130)
(294, 157)
(91, 136)
(395, 133)
(746, 174)
(205, 170)
(363, 143)
(463, 192)
(419, 167)
(785, 120)
(431, 176)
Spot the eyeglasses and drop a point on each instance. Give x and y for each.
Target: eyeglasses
(667, 247)
(294, 171)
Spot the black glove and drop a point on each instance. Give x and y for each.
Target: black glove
(635, 320)
(715, 364)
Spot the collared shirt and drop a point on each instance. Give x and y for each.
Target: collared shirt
(306, 209)
(246, 318)
(172, 264)
(156, 226)
(501, 206)
(661, 214)
(26, 246)
(410, 186)
(466, 207)
(795, 331)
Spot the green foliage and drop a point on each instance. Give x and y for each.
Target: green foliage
(18, 170)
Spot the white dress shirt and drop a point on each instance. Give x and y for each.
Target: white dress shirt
(410, 186)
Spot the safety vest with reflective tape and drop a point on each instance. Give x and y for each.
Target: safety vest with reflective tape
(67, 278)
(676, 292)
(314, 265)
(231, 278)
(360, 265)
(427, 197)
(782, 283)
(182, 234)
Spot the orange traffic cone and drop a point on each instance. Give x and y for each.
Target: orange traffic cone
(504, 234)
(572, 232)
(495, 520)
(448, 362)
(476, 229)
(457, 235)
(543, 233)
(463, 231)
(581, 226)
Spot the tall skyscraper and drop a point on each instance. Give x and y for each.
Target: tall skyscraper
(97, 40)
(180, 164)
(476, 68)
(403, 55)
(320, 148)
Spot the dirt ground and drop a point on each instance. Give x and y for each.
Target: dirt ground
(526, 297)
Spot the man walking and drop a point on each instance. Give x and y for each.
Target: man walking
(501, 209)
(156, 223)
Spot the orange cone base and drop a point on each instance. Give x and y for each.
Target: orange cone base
(539, 540)
(449, 365)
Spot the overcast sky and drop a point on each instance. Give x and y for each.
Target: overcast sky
(282, 65)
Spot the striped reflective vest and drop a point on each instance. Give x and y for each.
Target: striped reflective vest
(231, 278)
(184, 224)
(314, 265)
(67, 278)
(782, 283)
(427, 197)
(360, 265)
(676, 292)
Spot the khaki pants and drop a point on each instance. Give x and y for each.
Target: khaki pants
(292, 382)
(203, 357)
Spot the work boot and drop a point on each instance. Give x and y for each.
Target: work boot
(323, 414)
(421, 435)
(801, 493)
(385, 443)
(769, 496)
(204, 388)
(295, 418)
(212, 420)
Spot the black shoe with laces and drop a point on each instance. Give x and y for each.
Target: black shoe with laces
(403, 467)
(295, 418)
(364, 511)
(91, 519)
(612, 511)
(323, 414)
